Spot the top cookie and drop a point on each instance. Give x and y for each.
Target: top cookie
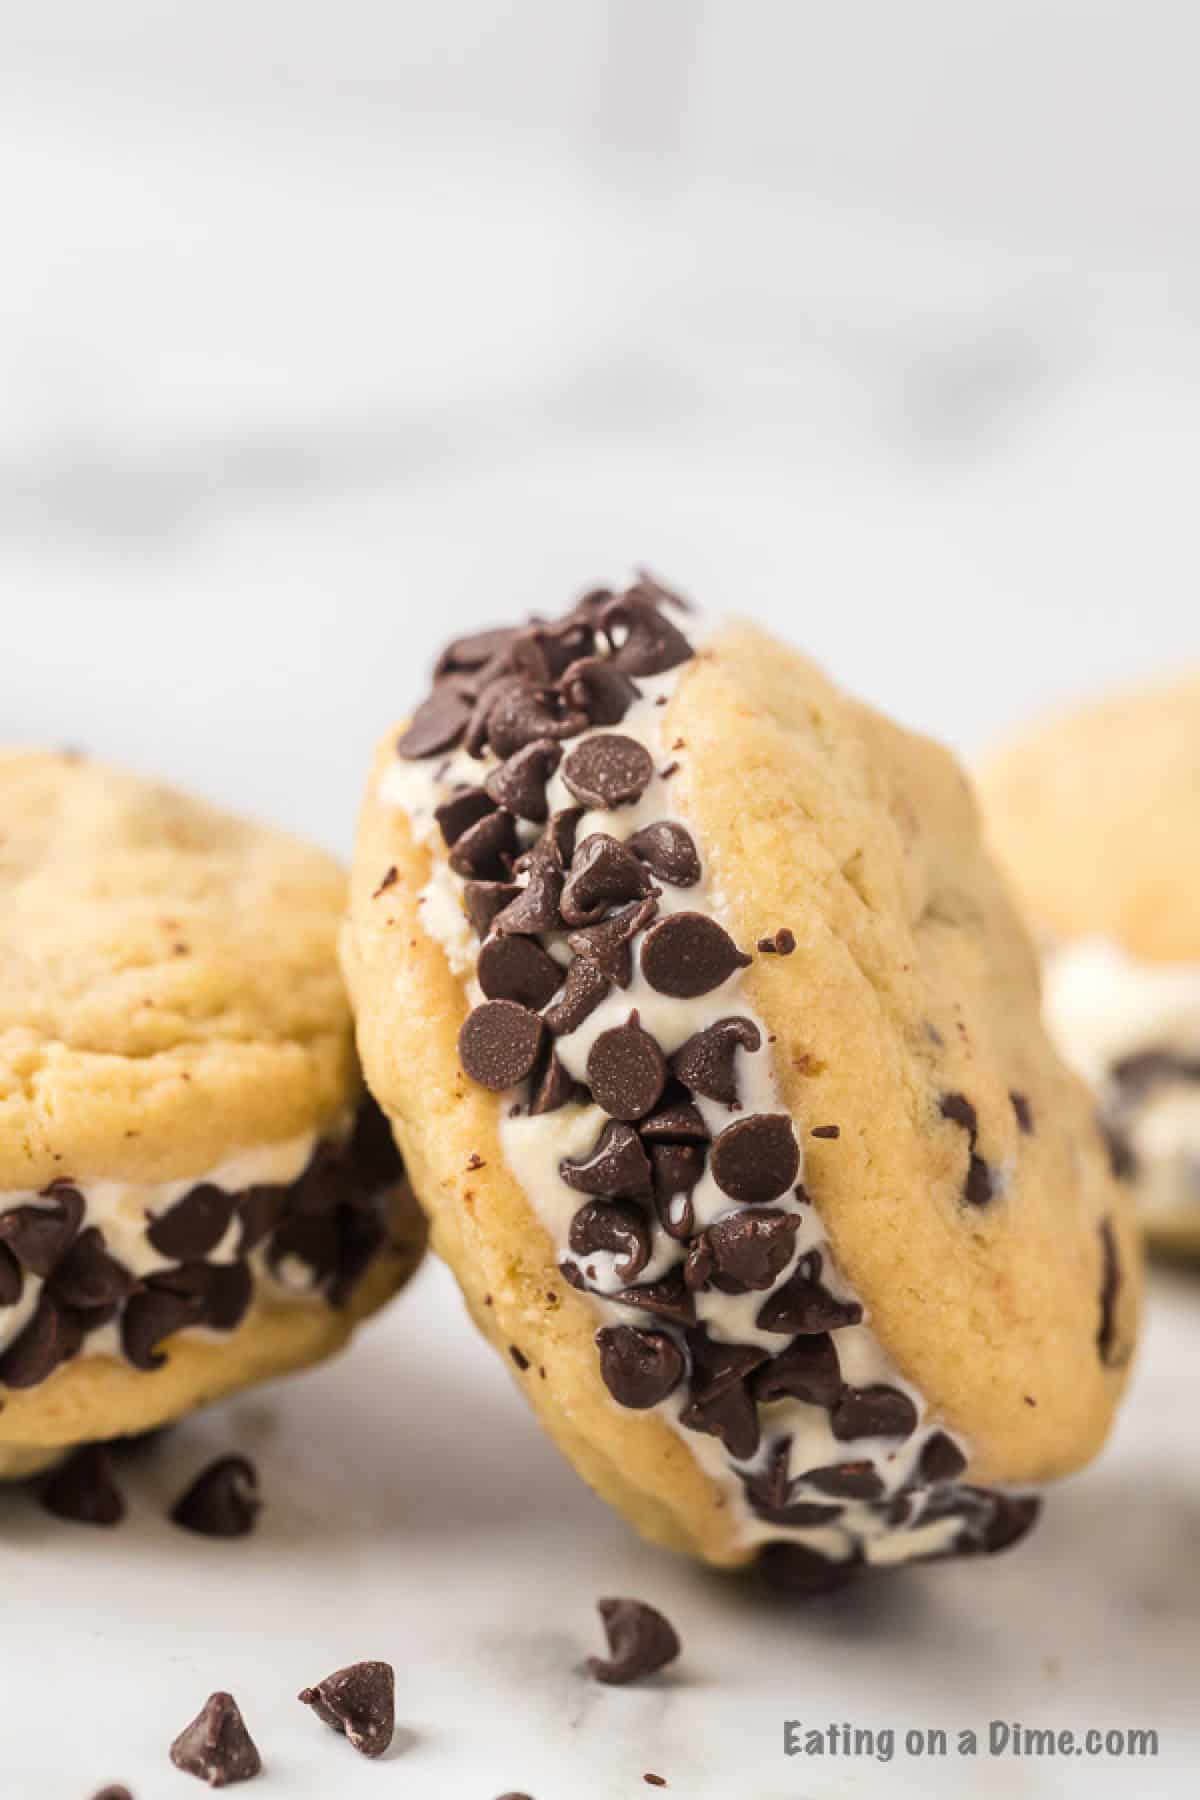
(168, 984)
(1095, 815)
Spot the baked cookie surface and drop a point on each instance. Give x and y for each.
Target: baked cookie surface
(737, 1124)
(193, 1192)
(1095, 816)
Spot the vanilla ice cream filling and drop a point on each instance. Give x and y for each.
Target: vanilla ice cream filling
(535, 1146)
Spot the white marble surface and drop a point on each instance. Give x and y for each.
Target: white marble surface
(323, 332)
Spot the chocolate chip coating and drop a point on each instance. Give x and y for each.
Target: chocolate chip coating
(639, 1368)
(608, 770)
(626, 1070)
(757, 1159)
(195, 1224)
(499, 1043)
(669, 852)
(520, 783)
(876, 1411)
(616, 1168)
(706, 1063)
(616, 1226)
(517, 968)
(688, 954)
(437, 724)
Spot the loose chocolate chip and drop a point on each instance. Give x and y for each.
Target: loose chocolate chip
(875, 1411)
(603, 874)
(482, 900)
(756, 1159)
(84, 1490)
(39, 1235)
(520, 715)
(1024, 1112)
(486, 849)
(552, 1088)
(12, 1281)
(847, 1481)
(583, 990)
(940, 1460)
(667, 1299)
(607, 946)
(807, 1370)
(626, 1070)
(639, 1368)
(699, 1265)
(194, 1225)
(516, 968)
(803, 1307)
(113, 1793)
(688, 954)
(597, 688)
(153, 1315)
(616, 1226)
(520, 783)
(437, 724)
(222, 1502)
(216, 1747)
(676, 1120)
(533, 907)
(730, 1416)
(640, 1642)
(706, 1062)
(53, 1335)
(795, 1569)
(616, 1167)
(782, 943)
(1110, 1287)
(461, 811)
(88, 1277)
(608, 770)
(826, 1131)
(651, 644)
(752, 1249)
(360, 1702)
(669, 852)
(499, 1044)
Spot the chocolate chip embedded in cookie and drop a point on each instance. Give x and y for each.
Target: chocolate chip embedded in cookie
(195, 1194)
(735, 1116)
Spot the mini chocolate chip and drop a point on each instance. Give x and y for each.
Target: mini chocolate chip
(520, 715)
(616, 1226)
(640, 1642)
(53, 1335)
(222, 1502)
(437, 724)
(1110, 1287)
(652, 644)
(359, 1702)
(117, 1792)
(485, 850)
(756, 1159)
(802, 1306)
(667, 1298)
(608, 770)
(482, 900)
(668, 851)
(520, 783)
(847, 1481)
(626, 1070)
(153, 1315)
(516, 968)
(615, 1168)
(958, 1109)
(826, 1131)
(676, 1214)
(84, 1490)
(12, 1281)
(706, 1062)
(875, 1411)
(603, 874)
(753, 1248)
(807, 1370)
(639, 1368)
(592, 684)
(553, 1088)
(583, 990)
(730, 1416)
(519, 1358)
(688, 954)
(39, 1235)
(795, 1569)
(216, 1747)
(533, 907)
(676, 1119)
(607, 946)
(782, 943)
(978, 1189)
(940, 1460)
(1023, 1111)
(461, 811)
(88, 1277)
(194, 1225)
(499, 1044)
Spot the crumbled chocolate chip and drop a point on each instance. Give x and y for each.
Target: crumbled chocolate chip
(485, 851)
(461, 811)
(216, 1747)
(607, 946)
(12, 1281)
(667, 1299)
(53, 1335)
(616, 1226)
(676, 1120)
(626, 1070)
(1023, 1112)
(608, 770)
(84, 1490)
(795, 1569)
(615, 1168)
(756, 1159)
(88, 1278)
(482, 900)
(652, 644)
(222, 1501)
(707, 1061)
(1110, 1287)
(688, 954)
(752, 1249)
(803, 1306)
(639, 1368)
(517, 968)
(782, 943)
(534, 907)
(499, 1043)
(826, 1131)
(640, 1642)
(940, 1460)
(437, 724)
(668, 851)
(847, 1481)
(592, 684)
(39, 1235)
(552, 1088)
(583, 990)
(807, 1370)
(603, 874)
(875, 1411)
(194, 1225)
(359, 1702)
(730, 1416)
(520, 783)
(153, 1315)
